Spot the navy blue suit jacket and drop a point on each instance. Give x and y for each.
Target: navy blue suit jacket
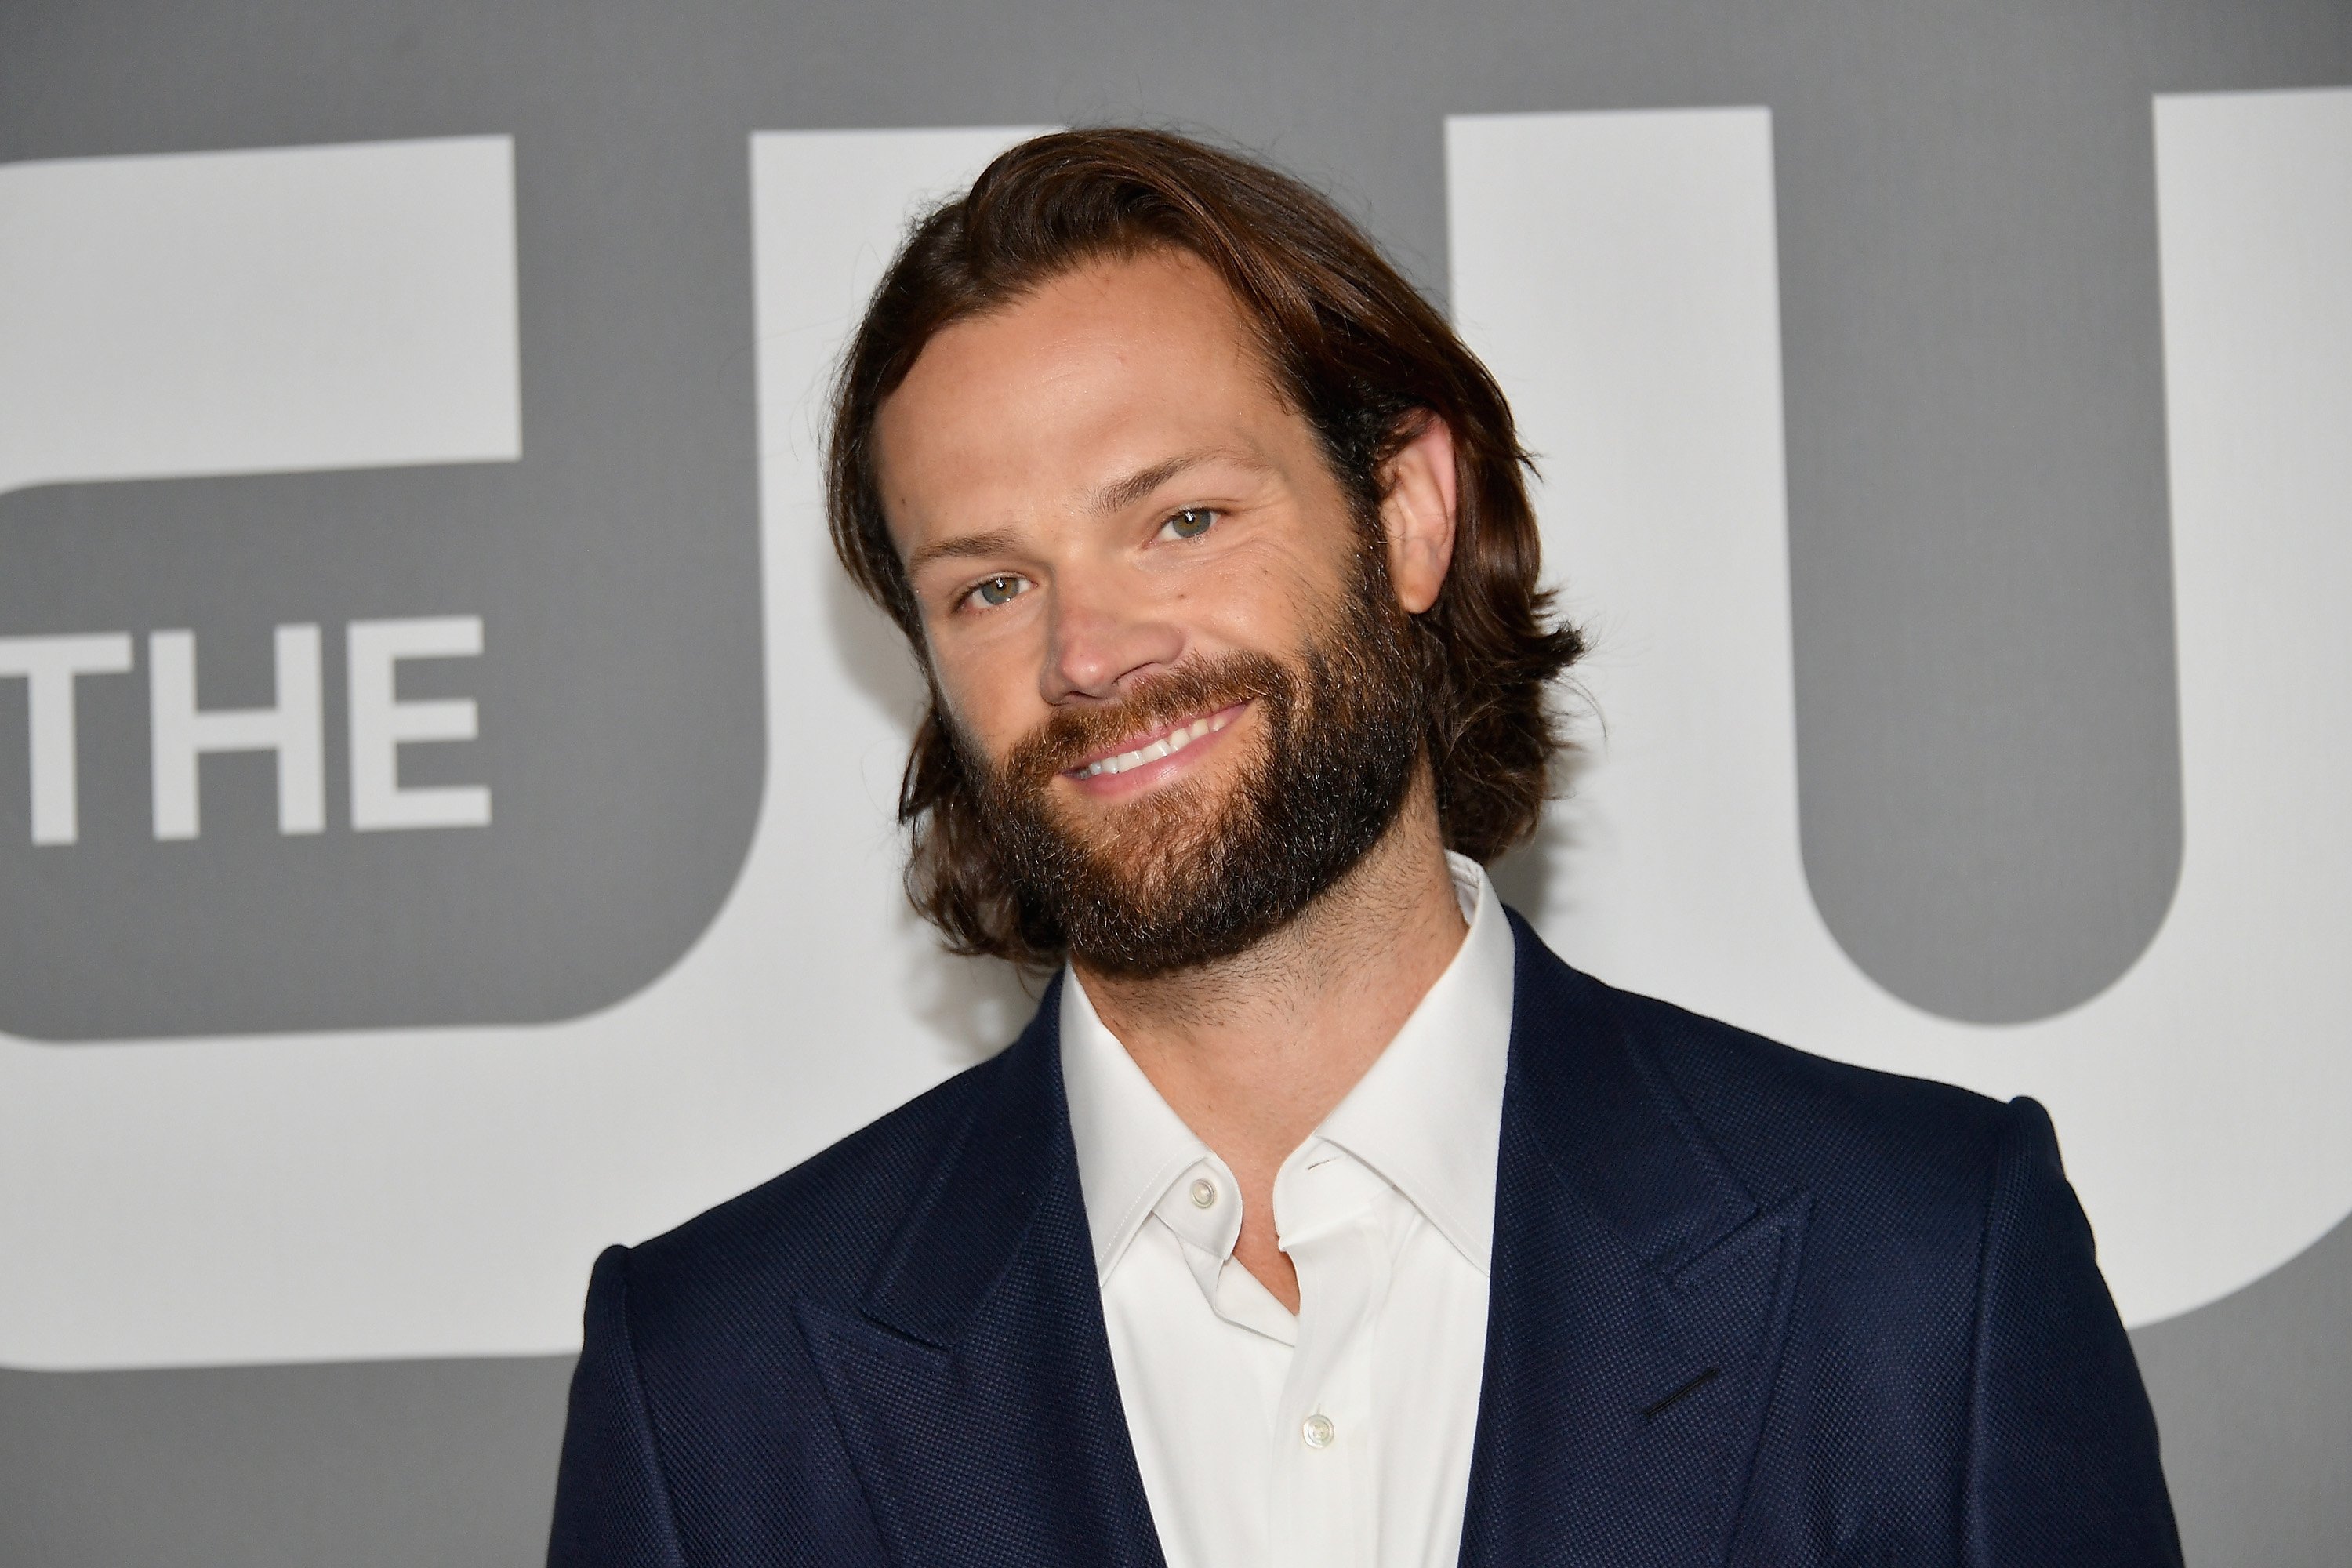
(1749, 1307)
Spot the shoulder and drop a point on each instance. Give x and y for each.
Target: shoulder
(1783, 1120)
(1782, 1115)
(817, 1233)
(1902, 1184)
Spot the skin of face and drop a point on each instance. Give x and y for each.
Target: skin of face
(1100, 482)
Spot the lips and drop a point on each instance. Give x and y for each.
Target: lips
(1153, 748)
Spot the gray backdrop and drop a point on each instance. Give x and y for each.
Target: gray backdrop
(1990, 798)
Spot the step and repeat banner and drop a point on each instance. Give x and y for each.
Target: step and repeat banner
(445, 783)
(375, 1069)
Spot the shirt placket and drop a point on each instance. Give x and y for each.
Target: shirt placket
(1322, 1493)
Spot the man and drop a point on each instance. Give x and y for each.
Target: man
(1321, 1215)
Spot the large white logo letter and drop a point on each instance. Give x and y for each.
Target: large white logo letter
(1617, 271)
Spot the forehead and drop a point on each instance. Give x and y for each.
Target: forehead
(1099, 370)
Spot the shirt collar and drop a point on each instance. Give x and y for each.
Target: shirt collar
(1428, 1117)
(1429, 1114)
(1130, 1145)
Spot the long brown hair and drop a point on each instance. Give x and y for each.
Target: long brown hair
(1353, 347)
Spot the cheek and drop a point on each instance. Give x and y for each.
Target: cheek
(1272, 604)
(991, 686)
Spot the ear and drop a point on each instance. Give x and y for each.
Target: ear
(1417, 514)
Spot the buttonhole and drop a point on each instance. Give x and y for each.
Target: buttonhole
(1679, 1394)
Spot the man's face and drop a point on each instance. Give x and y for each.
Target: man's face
(1160, 629)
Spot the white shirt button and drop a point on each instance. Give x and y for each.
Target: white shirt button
(1319, 1430)
(1204, 1193)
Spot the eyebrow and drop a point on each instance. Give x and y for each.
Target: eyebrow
(1120, 494)
(996, 541)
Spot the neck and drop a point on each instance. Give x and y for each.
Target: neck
(1254, 1051)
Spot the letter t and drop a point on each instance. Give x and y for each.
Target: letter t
(48, 666)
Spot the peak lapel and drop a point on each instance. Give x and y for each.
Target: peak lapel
(974, 1389)
(1639, 1297)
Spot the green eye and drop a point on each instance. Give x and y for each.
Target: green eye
(1191, 522)
(998, 590)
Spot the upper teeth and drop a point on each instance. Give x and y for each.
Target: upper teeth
(1168, 744)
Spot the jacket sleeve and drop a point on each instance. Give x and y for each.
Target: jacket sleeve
(2063, 1467)
(612, 1504)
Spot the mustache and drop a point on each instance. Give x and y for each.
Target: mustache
(1067, 738)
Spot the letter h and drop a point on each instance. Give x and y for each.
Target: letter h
(180, 733)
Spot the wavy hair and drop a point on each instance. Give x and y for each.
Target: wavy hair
(1353, 348)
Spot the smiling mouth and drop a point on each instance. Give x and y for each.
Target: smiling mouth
(1166, 745)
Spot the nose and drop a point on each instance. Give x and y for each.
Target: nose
(1103, 636)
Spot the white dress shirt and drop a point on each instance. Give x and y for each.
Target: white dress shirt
(1341, 1435)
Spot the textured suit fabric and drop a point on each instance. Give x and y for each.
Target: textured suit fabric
(1750, 1307)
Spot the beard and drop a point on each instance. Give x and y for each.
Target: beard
(1189, 872)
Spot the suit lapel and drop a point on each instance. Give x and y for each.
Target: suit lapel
(974, 1388)
(1639, 1297)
